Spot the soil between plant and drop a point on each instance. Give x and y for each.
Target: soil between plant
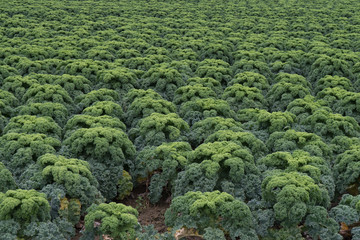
(149, 214)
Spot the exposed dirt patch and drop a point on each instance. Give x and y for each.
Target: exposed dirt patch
(78, 227)
(148, 213)
(77, 236)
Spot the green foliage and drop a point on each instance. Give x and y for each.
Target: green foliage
(187, 64)
(304, 107)
(341, 101)
(329, 125)
(355, 70)
(292, 78)
(125, 185)
(47, 66)
(143, 107)
(3, 122)
(185, 54)
(291, 233)
(98, 53)
(214, 63)
(213, 233)
(246, 140)
(108, 176)
(251, 79)
(282, 93)
(191, 93)
(156, 50)
(300, 161)
(217, 51)
(139, 63)
(159, 59)
(102, 94)
(194, 43)
(9, 229)
(88, 121)
(239, 97)
(345, 170)
(291, 61)
(107, 150)
(57, 111)
(128, 53)
(84, 67)
(216, 69)
(158, 128)
(47, 93)
(342, 143)
(139, 93)
(149, 232)
(103, 108)
(348, 210)
(288, 67)
(185, 67)
(252, 66)
(68, 209)
(162, 164)
(200, 109)
(249, 55)
(58, 229)
(211, 209)
(318, 224)
(221, 151)
(291, 194)
(200, 177)
(7, 71)
(204, 128)
(116, 220)
(206, 82)
(259, 119)
(291, 140)
(7, 103)
(74, 85)
(67, 53)
(34, 52)
(73, 174)
(24, 65)
(355, 232)
(333, 81)
(332, 95)
(31, 124)
(121, 79)
(17, 85)
(263, 216)
(233, 166)
(325, 65)
(19, 150)
(6, 179)
(24, 206)
(163, 80)
(101, 144)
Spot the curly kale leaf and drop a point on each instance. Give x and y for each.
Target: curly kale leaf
(201, 130)
(116, 220)
(211, 209)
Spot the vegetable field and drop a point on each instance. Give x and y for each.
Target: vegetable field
(238, 118)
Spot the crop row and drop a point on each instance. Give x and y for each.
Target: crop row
(245, 112)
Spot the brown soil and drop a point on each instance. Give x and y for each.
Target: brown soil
(78, 227)
(149, 214)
